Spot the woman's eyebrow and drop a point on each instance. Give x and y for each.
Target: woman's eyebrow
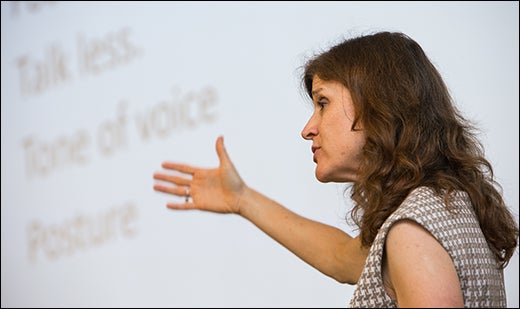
(315, 92)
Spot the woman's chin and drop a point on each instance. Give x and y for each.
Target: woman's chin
(322, 177)
(325, 177)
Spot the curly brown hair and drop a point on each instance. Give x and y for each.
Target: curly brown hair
(415, 136)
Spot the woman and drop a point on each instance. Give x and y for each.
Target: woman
(434, 229)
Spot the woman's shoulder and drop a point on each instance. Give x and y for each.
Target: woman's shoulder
(426, 198)
(426, 206)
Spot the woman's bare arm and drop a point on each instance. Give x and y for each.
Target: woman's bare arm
(326, 248)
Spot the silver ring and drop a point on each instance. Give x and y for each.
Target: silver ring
(187, 194)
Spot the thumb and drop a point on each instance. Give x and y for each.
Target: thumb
(221, 151)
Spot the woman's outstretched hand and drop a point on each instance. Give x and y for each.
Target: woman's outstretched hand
(217, 190)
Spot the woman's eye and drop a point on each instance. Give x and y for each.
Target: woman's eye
(321, 104)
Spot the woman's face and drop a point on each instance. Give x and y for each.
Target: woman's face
(336, 147)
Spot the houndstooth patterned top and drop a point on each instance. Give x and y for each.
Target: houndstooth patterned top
(458, 231)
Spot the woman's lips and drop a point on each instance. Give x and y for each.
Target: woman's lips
(314, 150)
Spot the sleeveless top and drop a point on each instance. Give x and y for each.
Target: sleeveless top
(481, 278)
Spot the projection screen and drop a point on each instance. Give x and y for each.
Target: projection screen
(95, 95)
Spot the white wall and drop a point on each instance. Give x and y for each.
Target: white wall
(96, 95)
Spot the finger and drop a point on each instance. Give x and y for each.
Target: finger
(181, 206)
(175, 190)
(172, 178)
(221, 150)
(183, 168)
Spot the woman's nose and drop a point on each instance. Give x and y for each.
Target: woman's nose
(310, 130)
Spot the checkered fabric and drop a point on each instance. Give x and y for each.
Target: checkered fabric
(481, 279)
